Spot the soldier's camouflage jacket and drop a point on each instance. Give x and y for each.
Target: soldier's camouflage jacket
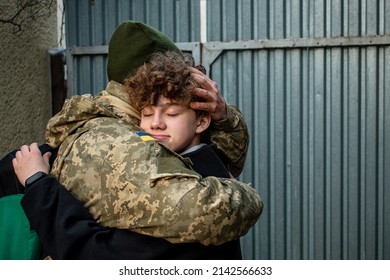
(134, 183)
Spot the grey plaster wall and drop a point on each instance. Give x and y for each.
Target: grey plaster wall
(25, 102)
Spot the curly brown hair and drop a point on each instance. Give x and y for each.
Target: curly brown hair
(167, 74)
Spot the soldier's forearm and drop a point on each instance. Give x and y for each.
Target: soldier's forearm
(232, 138)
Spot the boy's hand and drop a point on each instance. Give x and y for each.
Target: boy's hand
(28, 161)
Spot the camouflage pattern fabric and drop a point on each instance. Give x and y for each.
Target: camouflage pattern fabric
(232, 138)
(127, 182)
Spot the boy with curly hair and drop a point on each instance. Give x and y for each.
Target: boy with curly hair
(162, 90)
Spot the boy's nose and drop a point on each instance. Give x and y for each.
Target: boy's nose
(157, 122)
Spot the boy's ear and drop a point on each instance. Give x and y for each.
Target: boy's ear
(204, 121)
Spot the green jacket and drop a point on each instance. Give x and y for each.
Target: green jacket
(134, 183)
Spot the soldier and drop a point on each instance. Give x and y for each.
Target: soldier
(100, 149)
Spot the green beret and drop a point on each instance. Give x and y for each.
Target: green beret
(131, 43)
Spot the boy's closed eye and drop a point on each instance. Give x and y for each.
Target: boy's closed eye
(174, 110)
(147, 112)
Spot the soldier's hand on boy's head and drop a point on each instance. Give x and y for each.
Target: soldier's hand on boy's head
(215, 104)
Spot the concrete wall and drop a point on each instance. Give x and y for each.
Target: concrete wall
(25, 102)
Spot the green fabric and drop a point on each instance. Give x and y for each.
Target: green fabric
(131, 43)
(17, 241)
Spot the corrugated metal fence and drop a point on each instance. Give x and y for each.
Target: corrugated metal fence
(313, 81)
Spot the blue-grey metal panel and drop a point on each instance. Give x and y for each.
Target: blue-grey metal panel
(318, 152)
(317, 117)
(231, 20)
(91, 23)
